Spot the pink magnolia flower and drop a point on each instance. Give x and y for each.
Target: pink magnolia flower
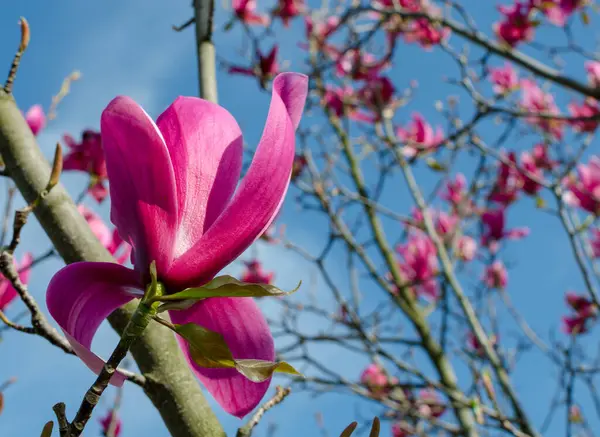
(593, 72)
(516, 25)
(174, 200)
(445, 224)
(585, 311)
(575, 414)
(530, 172)
(584, 190)
(495, 230)
(339, 100)
(505, 79)
(558, 11)
(254, 273)
(298, 166)
(466, 248)
(477, 347)
(509, 182)
(456, 191)
(425, 33)
(589, 108)
(401, 429)
(542, 158)
(264, 70)
(88, 156)
(110, 240)
(536, 101)
(378, 96)
(419, 136)
(107, 422)
(595, 242)
(356, 64)
(574, 325)
(430, 403)
(245, 10)
(288, 9)
(580, 304)
(496, 275)
(36, 119)
(7, 291)
(376, 380)
(419, 30)
(321, 30)
(419, 265)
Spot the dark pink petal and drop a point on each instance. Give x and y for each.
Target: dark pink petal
(81, 295)
(205, 144)
(242, 325)
(260, 194)
(142, 183)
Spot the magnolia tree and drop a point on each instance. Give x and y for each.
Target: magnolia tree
(440, 155)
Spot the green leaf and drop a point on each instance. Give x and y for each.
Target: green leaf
(259, 370)
(435, 165)
(540, 202)
(585, 18)
(176, 305)
(209, 349)
(227, 286)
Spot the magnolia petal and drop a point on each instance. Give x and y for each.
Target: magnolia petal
(7, 291)
(36, 119)
(245, 330)
(96, 224)
(260, 195)
(205, 144)
(81, 295)
(142, 183)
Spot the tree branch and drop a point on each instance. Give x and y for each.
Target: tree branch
(207, 71)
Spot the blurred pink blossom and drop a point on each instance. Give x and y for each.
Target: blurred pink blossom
(107, 421)
(504, 79)
(495, 228)
(536, 101)
(7, 291)
(593, 73)
(516, 25)
(496, 275)
(466, 248)
(584, 189)
(558, 11)
(254, 273)
(245, 10)
(288, 9)
(419, 136)
(589, 108)
(419, 265)
(36, 119)
(88, 156)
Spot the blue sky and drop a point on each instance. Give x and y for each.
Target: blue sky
(129, 48)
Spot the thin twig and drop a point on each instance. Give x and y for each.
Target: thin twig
(280, 395)
(12, 74)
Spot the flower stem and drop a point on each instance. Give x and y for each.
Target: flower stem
(142, 316)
